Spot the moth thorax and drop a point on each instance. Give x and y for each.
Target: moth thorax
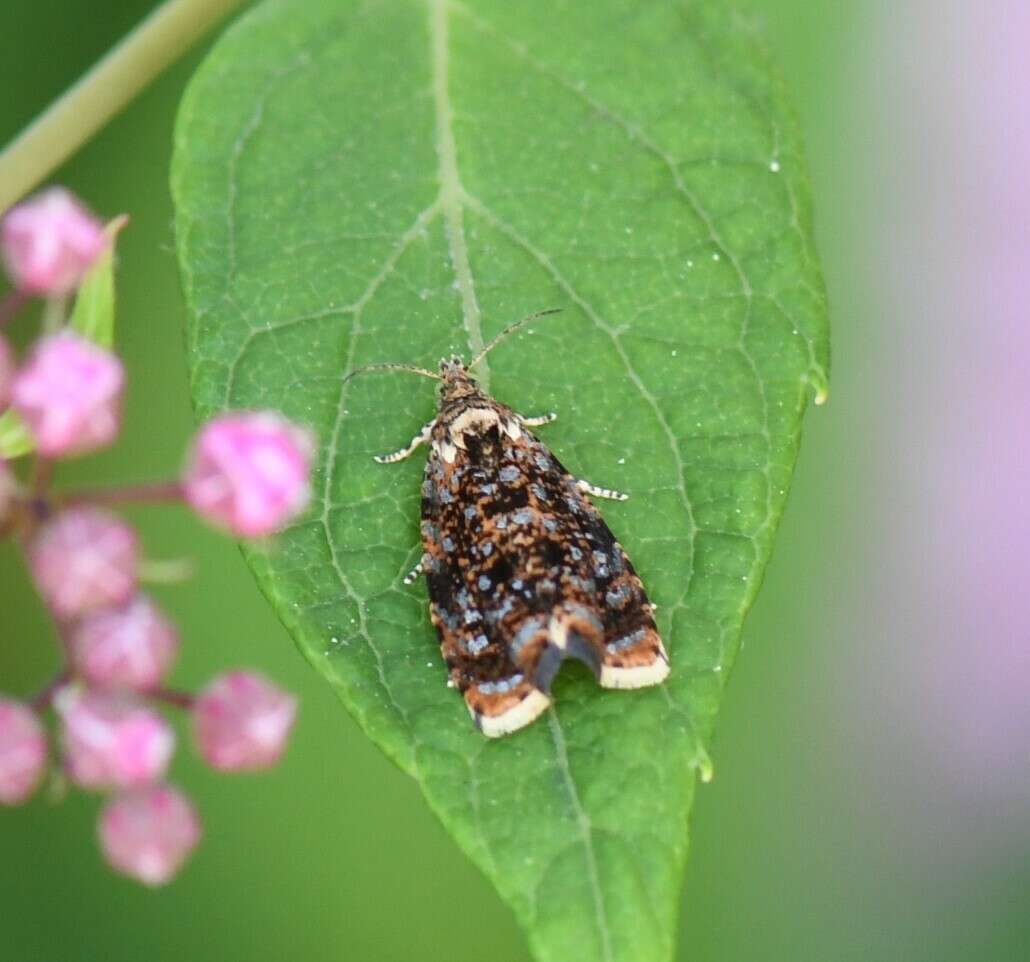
(473, 422)
(481, 432)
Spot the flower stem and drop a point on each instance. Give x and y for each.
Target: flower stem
(54, 313)
(128, 494)
(178, 699)
(167, 572)
(103, 91)
(11, 303)
(40, 477)
(44, 698)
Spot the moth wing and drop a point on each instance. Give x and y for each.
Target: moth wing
(496, 713)
(498, 693)
(523, 573)
(634, 656)
(629, 650)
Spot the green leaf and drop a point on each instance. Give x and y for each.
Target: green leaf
(92, 316)
(394, 182)
(15, 440)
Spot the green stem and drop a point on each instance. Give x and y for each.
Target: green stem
(160, 491)
(10, 304)
(45, 698)
(178, 699)
(55, 310)
(169, 572)
(86, 106)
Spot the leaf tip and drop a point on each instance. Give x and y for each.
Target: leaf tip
(820, 386)
(116, 225)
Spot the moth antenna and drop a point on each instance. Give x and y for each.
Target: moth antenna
(410, 368)
(514, 326)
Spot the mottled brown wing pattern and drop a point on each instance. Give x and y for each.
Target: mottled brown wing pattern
(523, 572)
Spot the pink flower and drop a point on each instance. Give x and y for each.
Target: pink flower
(112, 742)
(49, 242)
(7, 369)
(249, 471)
(84, 559)
(242, 722)
(70, 394)
(23, 752)
(131, 646)
(148, 834)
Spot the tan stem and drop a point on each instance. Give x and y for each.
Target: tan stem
(102, 92)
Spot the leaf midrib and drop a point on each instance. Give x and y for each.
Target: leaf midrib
(453, 199)
(451, 190)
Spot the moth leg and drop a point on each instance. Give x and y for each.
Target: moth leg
(415, 572)
(587, 488)
(540, 419)
(421, 438)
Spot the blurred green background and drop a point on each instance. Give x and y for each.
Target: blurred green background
(829, 832)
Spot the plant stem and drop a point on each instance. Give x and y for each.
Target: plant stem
(179, 699)
(44, 698)
(55, 311)
(165, 572)
(102, 92)
(128, 494)
(40, 476)
(10, 304)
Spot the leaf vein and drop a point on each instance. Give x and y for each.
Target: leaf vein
(586, 828)
(415, 230)
(239, 146)
(451, 190)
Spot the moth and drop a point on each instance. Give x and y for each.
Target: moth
(521, 569)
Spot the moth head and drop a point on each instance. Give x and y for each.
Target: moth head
(453, 367)
(457, 382)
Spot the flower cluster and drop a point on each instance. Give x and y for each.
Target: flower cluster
(247, 473)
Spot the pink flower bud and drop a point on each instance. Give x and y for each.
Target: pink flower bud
(242, 721)
(49, 242)
(84, 559)
(249, 472)
(147, 834)
(69, 393)
(112, 742)
(131, 646)
(7, 369)
(23, 752)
